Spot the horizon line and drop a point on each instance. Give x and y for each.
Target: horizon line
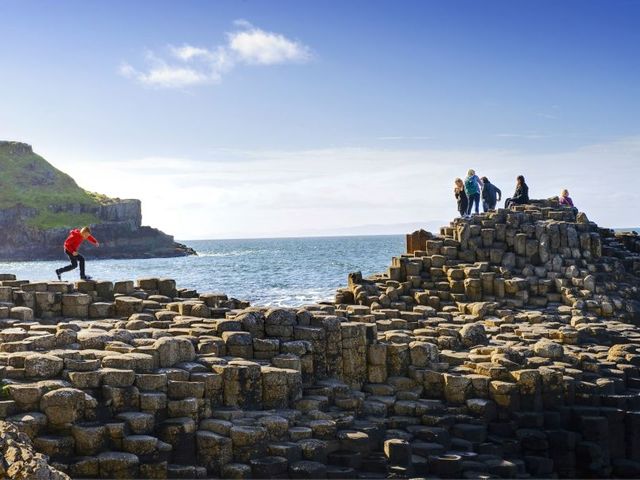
(294, 237)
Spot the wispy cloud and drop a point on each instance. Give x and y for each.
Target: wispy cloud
(404, 137)
(160, 73)
(242, 193)
(551, 113)
(189, 52)
(527, 136)
(190, 65)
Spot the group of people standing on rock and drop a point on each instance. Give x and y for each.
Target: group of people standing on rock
(469, 191)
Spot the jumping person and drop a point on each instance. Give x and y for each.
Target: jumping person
(491, 195)
(461, 197)
(564, 199)
(472, 187)
(521, 195)
(71, 245)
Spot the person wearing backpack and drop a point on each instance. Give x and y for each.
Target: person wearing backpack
(472, 187)
(491, 195)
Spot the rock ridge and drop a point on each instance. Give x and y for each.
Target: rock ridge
(505, 346)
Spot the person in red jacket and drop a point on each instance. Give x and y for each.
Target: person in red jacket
(71, 245)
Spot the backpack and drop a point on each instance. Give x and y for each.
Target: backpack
(470, 185)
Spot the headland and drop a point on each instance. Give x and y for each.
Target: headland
(39, 204)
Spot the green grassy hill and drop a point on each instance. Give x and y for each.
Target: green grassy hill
(28, 180)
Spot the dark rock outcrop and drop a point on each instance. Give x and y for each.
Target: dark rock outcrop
(120, 233)
(116, 223)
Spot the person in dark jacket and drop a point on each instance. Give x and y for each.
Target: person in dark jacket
(491, 195)
(461, 196)
(521, 194)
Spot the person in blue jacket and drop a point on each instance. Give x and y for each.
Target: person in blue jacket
(472, 187)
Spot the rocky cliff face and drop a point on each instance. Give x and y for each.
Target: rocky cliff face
(116, 223)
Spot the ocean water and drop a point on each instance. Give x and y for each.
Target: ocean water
(282, 271)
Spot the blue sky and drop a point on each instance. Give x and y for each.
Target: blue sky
(260, 118)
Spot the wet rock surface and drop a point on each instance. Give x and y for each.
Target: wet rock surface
(505, 346)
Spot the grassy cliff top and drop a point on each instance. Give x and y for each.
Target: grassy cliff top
(28, 180)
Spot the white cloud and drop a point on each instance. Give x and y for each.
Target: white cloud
(162, 74)
(189, 52)
(257, 47)
(239, 194)
(190, 65)
(170, 76)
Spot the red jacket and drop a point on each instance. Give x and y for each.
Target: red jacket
(73, 241)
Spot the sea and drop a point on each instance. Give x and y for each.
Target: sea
(270, 272)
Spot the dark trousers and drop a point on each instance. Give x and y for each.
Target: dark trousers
(462, 206)
(75, 260)
(512, 201)
(486, 206)
(473, 198)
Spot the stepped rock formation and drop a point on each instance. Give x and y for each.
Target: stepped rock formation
(506, 346)
(19, 461)
(39, 205)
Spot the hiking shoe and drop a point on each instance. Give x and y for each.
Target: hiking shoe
(87, 277)
(58, 275)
